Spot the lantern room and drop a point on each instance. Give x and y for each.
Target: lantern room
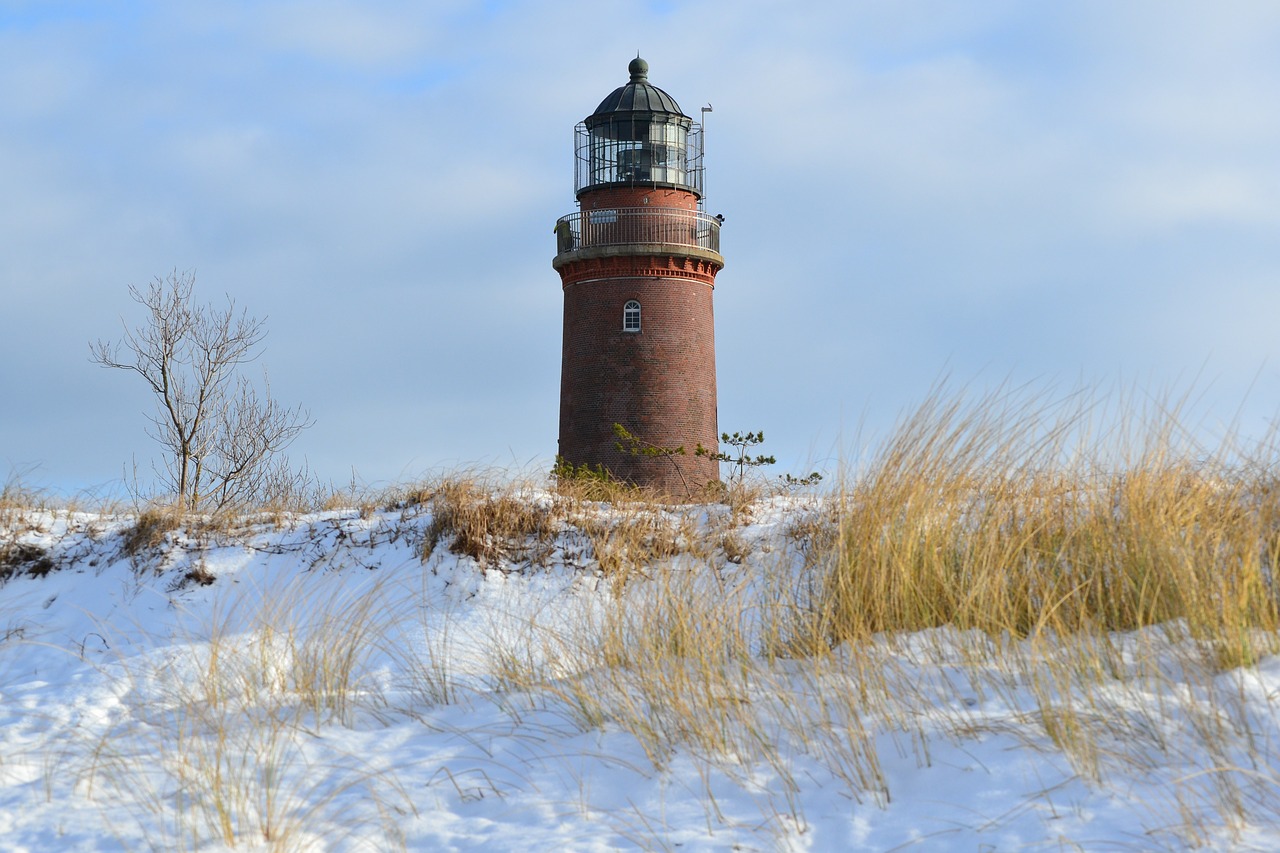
(638, 137)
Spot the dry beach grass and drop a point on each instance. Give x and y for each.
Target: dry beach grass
(999, 567)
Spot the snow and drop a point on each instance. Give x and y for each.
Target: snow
(140, 709)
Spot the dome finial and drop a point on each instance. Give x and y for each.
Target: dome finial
(639, 69)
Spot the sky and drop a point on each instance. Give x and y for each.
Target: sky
(1066, 194)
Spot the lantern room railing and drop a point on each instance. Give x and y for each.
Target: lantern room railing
(639, 151)
(620, 226)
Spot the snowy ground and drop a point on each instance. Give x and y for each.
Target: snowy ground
(332, 689)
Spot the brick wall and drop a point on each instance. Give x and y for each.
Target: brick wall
(660, 382)
(604, 197)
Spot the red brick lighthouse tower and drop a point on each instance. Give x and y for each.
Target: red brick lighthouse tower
(638, 263)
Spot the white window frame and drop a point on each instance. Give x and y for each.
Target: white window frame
(631, 316)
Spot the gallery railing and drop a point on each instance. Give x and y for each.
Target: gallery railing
(620, 226)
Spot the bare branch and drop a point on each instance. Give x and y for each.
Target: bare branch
(221, 438)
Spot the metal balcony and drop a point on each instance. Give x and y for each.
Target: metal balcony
(644, 229)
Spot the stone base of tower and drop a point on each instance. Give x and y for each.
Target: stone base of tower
(657, 382)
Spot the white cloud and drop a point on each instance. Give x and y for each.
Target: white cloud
(1174, 195)
(999, 186)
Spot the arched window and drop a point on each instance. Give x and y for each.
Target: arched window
(631, 316)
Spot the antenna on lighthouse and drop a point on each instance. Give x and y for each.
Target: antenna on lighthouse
(702, 153)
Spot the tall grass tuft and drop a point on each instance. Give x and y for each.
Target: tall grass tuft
(1006, 515)
(488, 524)
(217, 743)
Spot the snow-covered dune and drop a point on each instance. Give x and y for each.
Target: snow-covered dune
(604, 679)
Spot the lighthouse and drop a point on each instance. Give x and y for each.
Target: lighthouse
(638, 262)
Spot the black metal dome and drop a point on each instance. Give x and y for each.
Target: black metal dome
(639, 95)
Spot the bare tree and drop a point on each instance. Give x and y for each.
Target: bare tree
(222, 439)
